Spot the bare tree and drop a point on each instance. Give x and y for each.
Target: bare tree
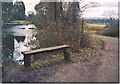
(111, 16)
(59, 21)
(84, 6)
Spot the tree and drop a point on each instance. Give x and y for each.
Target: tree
(7, 11)
(58, 23)
(12, 11)
(113, 29)
(111, 16)
(84, 6)
(113, 23)
(30, 15)
(19, 11)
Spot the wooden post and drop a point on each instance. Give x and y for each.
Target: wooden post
(66, 55)
(82, 26)
(82, 30)
(27, 60)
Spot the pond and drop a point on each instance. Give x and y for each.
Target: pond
(14, 40)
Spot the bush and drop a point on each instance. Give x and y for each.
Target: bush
(113, 31)
(59, 30)
(55, 35)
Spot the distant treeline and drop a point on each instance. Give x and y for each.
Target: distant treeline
(101, 21)
(12, 11)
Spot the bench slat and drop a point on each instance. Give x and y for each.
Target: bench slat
(45, 49)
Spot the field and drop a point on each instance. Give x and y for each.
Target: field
(96, 25)
(95, 28)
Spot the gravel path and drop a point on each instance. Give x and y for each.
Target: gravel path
(103, 68)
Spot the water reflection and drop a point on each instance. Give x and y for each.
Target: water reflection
(14, 41)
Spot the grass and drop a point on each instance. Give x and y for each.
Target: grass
(21, 22)
(96, 25)
(90, 31)
(34, 66)
(72, 60)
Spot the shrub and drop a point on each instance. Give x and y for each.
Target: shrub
(113, 30)
(58, 26)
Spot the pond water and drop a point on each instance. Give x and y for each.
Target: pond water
(14, 40)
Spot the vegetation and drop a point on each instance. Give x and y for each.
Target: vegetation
(56, 25)
(92, 51)
(59, 23)
(113, 23)
(34, 66)
(21, 22)
(97, 25)
(11, 12)
(111, 16)
(113, 30)
(97, 21)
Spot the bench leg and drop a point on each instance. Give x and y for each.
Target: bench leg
(66, 55)
(27, 60)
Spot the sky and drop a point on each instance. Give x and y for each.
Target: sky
(105, 5)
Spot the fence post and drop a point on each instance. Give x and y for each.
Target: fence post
(82, 26)
(82, 30)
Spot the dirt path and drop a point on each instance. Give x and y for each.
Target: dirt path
(103, 68)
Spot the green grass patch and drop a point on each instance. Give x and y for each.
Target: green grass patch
(21, 22)
(34, 66)
(72, 60)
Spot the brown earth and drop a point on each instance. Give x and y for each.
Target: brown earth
(103, 68)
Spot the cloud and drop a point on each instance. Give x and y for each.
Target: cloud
(109, 4)
(105, 6)
(98, 11)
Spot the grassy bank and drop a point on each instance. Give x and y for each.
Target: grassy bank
(16, 22)
(21, 22)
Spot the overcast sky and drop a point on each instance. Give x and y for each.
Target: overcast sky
(91, 12)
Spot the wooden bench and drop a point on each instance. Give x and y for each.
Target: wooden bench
(27, 54)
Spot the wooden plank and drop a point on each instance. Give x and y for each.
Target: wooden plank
(46, 49)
